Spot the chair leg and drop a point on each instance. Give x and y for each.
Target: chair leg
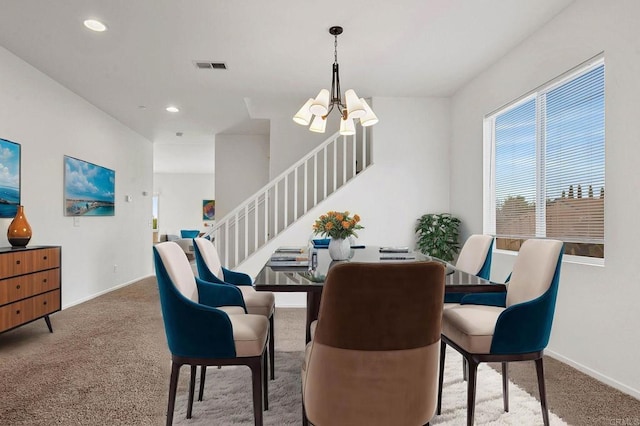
(192, 385)
(465, 369)
(265, 381)
(471, 390)
(305, 421)
(505, 386)
(257, 386)
(203, 376)
(173, 386)
(272, 348)
(543, 391)
(443, 351)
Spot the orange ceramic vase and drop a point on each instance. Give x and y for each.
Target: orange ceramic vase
(19, 232)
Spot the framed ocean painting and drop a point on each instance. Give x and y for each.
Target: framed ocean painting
(9, 178)
(89, 189)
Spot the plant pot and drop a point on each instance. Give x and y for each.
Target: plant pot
(19, 232)
(339, 249)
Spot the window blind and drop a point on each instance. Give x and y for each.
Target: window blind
(549, 163)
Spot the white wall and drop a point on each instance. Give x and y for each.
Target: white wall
(409, 177)
(49, 122)
(291, 141)
(180, 197)
(242, 168)
(596, 322)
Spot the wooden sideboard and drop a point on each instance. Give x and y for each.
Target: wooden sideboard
(30, 285)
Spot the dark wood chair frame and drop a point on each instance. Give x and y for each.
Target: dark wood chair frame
(472, 361)
(257, 364)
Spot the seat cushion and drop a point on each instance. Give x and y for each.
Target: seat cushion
(353, 387)
(249, 334)
(232, 310)
(450, 305)
(258, 302)
(471, 326)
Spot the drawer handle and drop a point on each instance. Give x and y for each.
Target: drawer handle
(18, 287)
(17, 262)
(45, 257)
(45, 302)
(44, 281)
(18, 312)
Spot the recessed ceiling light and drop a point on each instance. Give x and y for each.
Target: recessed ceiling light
(95, 25)
(172, 109)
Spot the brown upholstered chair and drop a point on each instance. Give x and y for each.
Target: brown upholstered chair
(374, 356)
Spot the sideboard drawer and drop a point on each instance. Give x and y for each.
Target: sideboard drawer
(26, 310)
(27, 261)
(43, 259)
(24, 286)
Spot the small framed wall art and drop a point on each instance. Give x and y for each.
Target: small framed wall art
(89, 189)
(208, 209)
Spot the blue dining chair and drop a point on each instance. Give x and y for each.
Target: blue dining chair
(518, 330)
(257, 302)
(475, 259)
(205, 324)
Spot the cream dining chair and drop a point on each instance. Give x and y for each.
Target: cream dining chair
(517, 331)
(257, 302)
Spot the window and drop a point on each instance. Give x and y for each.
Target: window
(545, 165)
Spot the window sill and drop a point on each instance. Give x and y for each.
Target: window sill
(567, 258)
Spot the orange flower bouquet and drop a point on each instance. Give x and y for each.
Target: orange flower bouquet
(337, 225)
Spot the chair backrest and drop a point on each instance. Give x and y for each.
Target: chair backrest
(375, 352)
(189, 233)
(178, 268)
(525, 325)
(475, 256)
(207, 253)
(192, 330)
(535, 270)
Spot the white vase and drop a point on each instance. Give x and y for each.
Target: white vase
(339, 249)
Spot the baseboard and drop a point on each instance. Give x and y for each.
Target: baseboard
(109, 290)
(598, 376)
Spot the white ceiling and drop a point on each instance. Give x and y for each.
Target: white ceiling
(278, 53)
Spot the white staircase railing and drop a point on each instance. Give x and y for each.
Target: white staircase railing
(285, 199)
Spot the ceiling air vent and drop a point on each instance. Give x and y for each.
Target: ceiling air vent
(208, 65)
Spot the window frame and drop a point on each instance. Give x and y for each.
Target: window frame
(489, 157)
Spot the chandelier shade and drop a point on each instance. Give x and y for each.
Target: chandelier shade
(316, 110)
(304, 114)
(354, 105)
(369, 119)
(347, 128)
(319, 124)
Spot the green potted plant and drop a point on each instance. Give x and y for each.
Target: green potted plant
(438, 235)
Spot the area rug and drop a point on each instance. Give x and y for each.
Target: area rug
(227, 397)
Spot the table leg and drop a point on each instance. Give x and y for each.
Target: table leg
(313, 306)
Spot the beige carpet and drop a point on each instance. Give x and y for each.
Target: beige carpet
(107, 363)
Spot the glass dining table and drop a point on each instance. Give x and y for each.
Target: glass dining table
(309, 277)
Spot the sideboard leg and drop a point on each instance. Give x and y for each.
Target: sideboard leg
(48, 321)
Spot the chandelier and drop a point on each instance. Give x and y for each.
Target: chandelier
(325, 102)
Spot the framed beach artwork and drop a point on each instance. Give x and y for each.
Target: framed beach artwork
(89, 189)
(208, 209)
(9, 178)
